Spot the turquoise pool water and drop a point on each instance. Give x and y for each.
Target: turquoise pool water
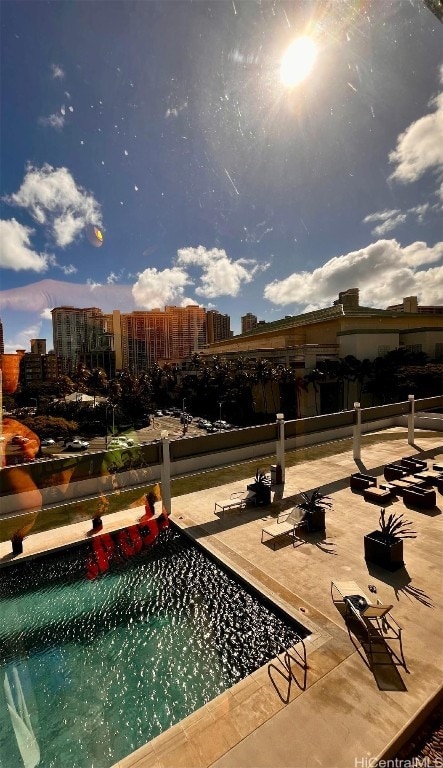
(106, 665)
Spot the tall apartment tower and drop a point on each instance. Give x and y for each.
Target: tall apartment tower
(248, 322)
(143, 337)
(218, 326)
(80, 334)
(2, 343)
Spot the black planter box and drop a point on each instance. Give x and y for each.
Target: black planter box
(382, 553)
(17, 546)
(316, 520)
(262, 492)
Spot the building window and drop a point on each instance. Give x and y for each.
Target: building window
(414, 348)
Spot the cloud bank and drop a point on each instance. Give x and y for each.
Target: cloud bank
(420, 147)
(15, 251)
(384, 271)
(53, 199)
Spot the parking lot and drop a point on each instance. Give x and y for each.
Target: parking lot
(170, 424)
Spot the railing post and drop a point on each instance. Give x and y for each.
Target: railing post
(165, 472)
(280, 446)
(411, 419)
(356, 448)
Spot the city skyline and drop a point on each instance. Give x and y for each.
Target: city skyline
(213, 179)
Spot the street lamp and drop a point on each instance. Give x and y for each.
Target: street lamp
(185, 426)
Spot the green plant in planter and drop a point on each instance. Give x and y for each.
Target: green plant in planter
(261, 487)
(315, 505)
(395, 527)
(384, 547)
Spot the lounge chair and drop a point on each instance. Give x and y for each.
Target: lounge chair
(359, 481)
(286, 525)
(237, 500)
(375, 618)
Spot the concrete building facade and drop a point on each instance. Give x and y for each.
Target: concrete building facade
(248, 322)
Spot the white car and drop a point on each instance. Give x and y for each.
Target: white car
(47, 441)
(77, 445)
(121, 442)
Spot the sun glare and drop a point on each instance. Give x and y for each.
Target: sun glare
(298, 61)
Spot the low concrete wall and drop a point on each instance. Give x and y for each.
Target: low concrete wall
(196, 454)
(433, 421)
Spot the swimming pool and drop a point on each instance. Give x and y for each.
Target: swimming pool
(106, 665)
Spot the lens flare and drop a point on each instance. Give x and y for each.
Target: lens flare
(297, 61)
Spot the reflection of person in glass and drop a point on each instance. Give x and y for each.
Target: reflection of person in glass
(19, 446)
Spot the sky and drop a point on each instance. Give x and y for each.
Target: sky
(221, 170)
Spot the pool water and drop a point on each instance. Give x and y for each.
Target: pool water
(106, 665)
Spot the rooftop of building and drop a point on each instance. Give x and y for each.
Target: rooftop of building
(347, 305)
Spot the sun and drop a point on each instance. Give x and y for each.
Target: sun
(298, 61)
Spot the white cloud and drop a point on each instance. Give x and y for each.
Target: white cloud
(21, 339)
(156, 289)
(16, 252)
(46, 313)
(68, 269)
(92, 285)
(384, 271)
(420, 147)
(390, 220)
(389, 224)
(220, 274)
(189, 303)
(57, 72)
(53, 199)
(54, 121)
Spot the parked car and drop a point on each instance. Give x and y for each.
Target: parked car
(158, 413)
(47, 441)
(19, 440)
(186, 418)
(211, 428)
(203, 423)
(121, 442)
(76, 445)
(220, 424)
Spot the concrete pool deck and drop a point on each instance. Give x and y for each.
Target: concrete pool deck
(343, 712)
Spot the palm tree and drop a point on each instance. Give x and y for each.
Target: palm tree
(313, 378)
(98, 381)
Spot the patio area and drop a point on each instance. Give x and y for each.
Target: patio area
(347, 711)
(340, 709)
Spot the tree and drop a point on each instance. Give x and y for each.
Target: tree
(313, 378)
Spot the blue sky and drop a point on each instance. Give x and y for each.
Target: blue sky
(169, 126)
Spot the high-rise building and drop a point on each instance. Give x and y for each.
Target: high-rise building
(248, 322)
(144, 337)
(2, 343)
(80, 335)
(218, 326)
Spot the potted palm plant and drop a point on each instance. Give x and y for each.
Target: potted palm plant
(384, 547)
(20, 533)
(315, 505)
(261, 487)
